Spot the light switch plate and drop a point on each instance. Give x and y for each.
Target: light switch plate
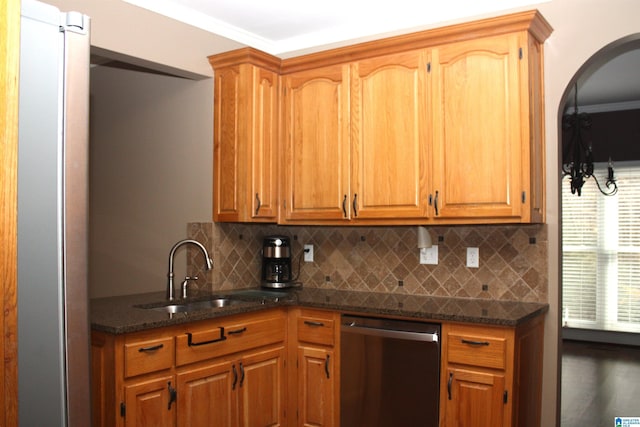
(429, 255)
(308, 253)
(473, 257)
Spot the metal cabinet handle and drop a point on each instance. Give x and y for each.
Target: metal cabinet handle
(235, 377)
(435, 203)
(195, 344)
(241, 374)
(313, 323)
(326, 366)
(173, 395)
(258, 203)
(478, 343)
(344, 206)
(150, 349)
(237, 331)
(449, 384)
(355, 205)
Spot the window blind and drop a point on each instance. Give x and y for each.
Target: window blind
(601, 253)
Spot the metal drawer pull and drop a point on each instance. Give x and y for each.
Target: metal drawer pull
(195, 344)
(241, 374)
(152, 348)
(326, 366)
(173, 395)
(435, 203)
(258, 203)
(235, 378)
(344, 205)
(449, 384)
(313, 323)
(470, 342)
(237, 331)
(355, 205)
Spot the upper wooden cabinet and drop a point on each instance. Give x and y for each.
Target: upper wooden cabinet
(389, 136)
(444, 126)
(355, 141)
(315, 142)
(487, 134)
(245, 136)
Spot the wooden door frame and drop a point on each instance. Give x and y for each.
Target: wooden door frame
(9, 73)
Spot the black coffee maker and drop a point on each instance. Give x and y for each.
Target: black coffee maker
(276, 262)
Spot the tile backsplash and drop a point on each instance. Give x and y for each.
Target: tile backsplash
(513, 259)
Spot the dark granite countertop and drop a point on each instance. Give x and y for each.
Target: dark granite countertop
(119, 315)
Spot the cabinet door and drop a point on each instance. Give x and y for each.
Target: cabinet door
(389, 158)
(245, 131)
(207, 396)
(316, 144)
(477, 143)
(228, 153)
(262, 388)
(263, 193)
(317, 403)
(149, 403)
(474, 398)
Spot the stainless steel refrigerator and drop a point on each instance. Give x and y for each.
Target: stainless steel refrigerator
(53, 324)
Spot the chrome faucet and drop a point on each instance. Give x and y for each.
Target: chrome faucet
(170, 289)
(185, 285)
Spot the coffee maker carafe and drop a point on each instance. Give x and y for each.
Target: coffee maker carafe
(276, 262)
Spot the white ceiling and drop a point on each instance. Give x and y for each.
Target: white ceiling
(279, 27)
(286, 28)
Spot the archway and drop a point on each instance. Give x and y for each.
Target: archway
(610, 96)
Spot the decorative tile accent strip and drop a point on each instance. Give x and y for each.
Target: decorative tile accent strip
(513, 259)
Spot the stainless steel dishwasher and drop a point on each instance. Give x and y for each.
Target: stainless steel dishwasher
(390, 373)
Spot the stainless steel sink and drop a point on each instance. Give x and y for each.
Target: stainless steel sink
(196, 305)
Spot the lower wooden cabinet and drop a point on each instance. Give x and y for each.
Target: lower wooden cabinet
(208, 396)
(317, 403)
(317, 376)
(491, 376)
(261, 388)
(150, 402)
(281, 367)
(476, 398)
(194, 374)
(247, 391)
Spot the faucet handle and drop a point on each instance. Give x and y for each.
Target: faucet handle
(185, 284)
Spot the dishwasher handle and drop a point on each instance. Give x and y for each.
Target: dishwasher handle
(390, 333)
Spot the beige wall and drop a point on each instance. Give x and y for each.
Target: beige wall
(151, 154)
(582, 27)
(124, 29)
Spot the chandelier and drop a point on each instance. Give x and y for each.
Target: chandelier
(577, 155)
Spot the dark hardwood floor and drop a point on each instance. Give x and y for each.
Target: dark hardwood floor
(599, 382)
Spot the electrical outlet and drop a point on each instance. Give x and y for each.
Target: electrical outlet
(473, 257)
(429, 255)
(308, 253)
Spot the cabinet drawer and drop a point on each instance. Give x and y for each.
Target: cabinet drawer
(316, 328)
(219, 338)
(477, 350)
(143, 356)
